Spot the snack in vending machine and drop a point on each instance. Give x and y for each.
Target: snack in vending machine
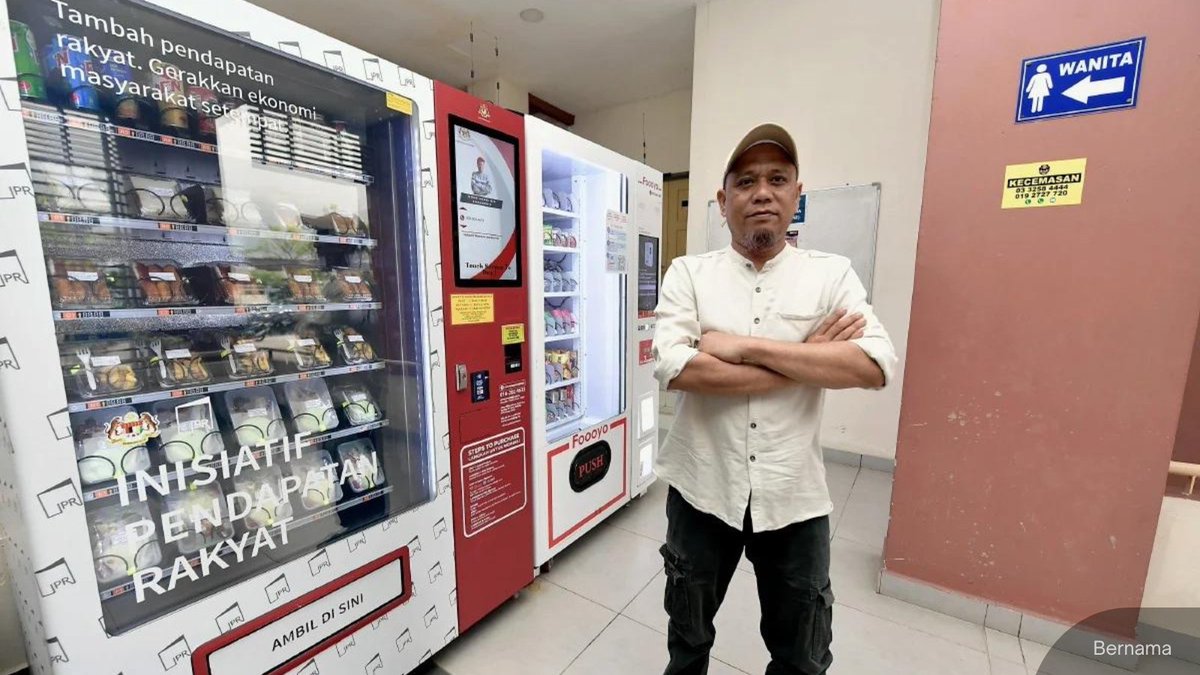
(318, 488)
(305, 285)
(156, 199)
(207, 105)
(103, 369)
(162, 283)
(245, 357)
(124, 540)
(31, 85)
(205, 520)
(311, 406)
(300, 349)
(357, 404)
(188, 429)
(172, 113)
(352, 346)
(265, 487)
(254, 413)
(361, 463)
(127, 109)
(230, 284)
(349, 285)
(102, 457)
(79, 284)
(67, 70)
(175, 362)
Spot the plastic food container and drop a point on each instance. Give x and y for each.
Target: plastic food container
(305, 285)
(360, 464)
(204, 514)
(152, 198)
(105, 453)
(174, 362)
(81, 284)
(73, 189)
(254, 413)
(318, 490)
(162, 284)
(357, 404)
(311, 406)
(102, 369)
(352, 346)
(124, 540)
(264, 488)
(188, 429)
(301, 350)
(350, 285)
(245, 356)
(230, 284)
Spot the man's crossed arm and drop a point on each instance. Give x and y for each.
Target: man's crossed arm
(738, 365)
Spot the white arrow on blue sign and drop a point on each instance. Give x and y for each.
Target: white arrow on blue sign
(1093, 79)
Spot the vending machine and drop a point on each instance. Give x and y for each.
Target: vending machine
(594, 217)
(225, 445)
(485, 311)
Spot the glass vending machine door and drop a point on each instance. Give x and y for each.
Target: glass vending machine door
(233, 264)
(584, 281)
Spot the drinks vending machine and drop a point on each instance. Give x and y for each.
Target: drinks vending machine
(596, 219)
(226, 445)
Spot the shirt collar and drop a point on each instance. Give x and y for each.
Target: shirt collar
(744, 262)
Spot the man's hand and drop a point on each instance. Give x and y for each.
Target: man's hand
(839, 327)
(726, 347)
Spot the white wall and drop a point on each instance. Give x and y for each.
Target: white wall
(667, 127)
(852, 81)
(512, 95)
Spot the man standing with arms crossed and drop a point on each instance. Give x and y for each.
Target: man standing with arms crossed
(753, 335)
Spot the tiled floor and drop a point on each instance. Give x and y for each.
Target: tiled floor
(599, 611)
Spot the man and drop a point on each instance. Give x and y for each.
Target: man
(752, 335)
(481, 185)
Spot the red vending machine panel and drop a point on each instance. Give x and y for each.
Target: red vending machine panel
(486, 314)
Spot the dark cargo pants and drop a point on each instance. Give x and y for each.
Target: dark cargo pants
(791, 566)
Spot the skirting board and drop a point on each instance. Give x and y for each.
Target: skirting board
(859, 460)
(1030, 627)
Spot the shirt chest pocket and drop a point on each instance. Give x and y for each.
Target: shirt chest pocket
(794, 323)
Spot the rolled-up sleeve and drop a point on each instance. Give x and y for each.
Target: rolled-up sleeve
(851, 296)
(678, 328)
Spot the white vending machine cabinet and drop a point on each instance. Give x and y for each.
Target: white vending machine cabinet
(223, 432)
(594, 409)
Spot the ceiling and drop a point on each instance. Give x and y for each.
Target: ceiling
(584, 55)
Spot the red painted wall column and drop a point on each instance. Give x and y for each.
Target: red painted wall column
(1049, 347)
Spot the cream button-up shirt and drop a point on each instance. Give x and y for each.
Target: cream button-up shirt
(725, 453)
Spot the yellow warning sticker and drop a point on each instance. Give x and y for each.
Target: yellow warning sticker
(512, 333)
(1055, 183)
(398, 102)
(473, 308)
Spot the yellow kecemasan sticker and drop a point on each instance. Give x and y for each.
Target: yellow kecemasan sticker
(512, 333)
(1054, 183)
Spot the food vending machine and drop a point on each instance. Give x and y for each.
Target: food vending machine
(594, 217)
(225, 438)
(485, 311)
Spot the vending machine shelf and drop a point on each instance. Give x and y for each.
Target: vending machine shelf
(173, 230)
(548, 213)
(83, 406)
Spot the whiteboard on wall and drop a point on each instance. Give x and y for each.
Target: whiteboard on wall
(841, 220)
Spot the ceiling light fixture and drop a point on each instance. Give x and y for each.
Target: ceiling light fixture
(532, 15)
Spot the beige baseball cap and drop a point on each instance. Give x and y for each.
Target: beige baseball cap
(764, 133)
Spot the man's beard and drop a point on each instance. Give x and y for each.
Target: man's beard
(759, 240)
